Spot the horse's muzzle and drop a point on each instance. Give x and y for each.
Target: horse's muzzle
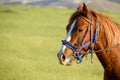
(64, 60)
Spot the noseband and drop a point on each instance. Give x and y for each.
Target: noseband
(93, 40)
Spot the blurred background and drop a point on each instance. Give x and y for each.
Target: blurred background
(30, 37)
(113, 5)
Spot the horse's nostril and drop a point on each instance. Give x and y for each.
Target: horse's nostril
(63, 57)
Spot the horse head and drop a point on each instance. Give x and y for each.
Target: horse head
(81, 36)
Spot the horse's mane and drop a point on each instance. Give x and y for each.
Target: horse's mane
(109, 30)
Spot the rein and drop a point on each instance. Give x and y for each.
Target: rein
(93, 40)
(91, 52)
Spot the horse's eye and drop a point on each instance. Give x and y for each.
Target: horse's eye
(79, 30)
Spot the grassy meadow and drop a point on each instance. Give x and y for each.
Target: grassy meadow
(30, 38)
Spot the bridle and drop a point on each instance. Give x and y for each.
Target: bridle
(93, 39)
(91, 42)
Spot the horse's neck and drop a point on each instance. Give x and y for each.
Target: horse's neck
(110, 61)
(109, 58)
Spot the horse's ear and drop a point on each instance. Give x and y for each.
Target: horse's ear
(85, 10)
(79, 8)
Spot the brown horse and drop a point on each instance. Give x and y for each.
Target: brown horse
(91, 30)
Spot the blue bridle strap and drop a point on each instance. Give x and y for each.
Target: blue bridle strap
(78, 57)
(66, 43)
(83, 46)
(96, 34)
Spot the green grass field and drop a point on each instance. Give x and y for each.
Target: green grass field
(30, 38)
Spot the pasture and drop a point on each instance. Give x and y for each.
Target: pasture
(30, 37)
